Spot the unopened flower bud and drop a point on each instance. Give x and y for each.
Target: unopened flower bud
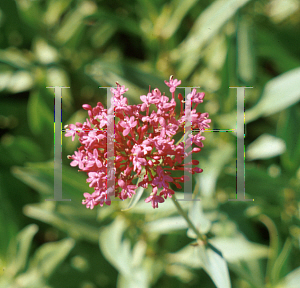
(196, 150)
(144, 128)
(180, 97)
(150, 163)
(87, 107)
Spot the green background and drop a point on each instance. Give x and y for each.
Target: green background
(212, 44)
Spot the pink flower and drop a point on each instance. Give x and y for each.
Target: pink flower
(197, 97)
(77, 159)
(71, 131)
(162, 179)
(146, 100)
(138, 159)
(95, 178)
(197, 139)
(128, 124)
(166, 192)
(127, 190)
(173, 84)
(154, 198)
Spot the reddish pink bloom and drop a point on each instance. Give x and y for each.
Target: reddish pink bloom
(162, 179)
(154, 198)
(128, 124)
(71, 131)
(173, 84)
(143, 141)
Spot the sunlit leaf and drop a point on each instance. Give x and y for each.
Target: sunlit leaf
(215, 266)
(72, 23)
(207, 25)
(178, 14)
(166, 225)
(75, 228)
(264, 147)
(15, 59)
(239, 249)
(20, 81)
(279, 93)
(291, 280)
(24, 240)
(200, 257)
(199, 219)
(118, 253)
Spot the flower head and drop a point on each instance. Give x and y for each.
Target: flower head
(142, 142)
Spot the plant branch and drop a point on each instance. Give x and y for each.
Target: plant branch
(187, 219)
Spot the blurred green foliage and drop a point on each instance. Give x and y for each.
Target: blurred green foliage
(212, 44)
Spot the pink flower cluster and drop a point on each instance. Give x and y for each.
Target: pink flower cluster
(142, 143)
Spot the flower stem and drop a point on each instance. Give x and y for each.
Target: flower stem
(189, 222)
(201, 237)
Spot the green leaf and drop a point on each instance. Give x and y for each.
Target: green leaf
(45, 261)
(72, 24)
(117, 251)
(215, 266)
(291, 280)
(102, 34)
(200, 257)
(281, 260)
(22, 149)
(20, 81)
(279, 93)
(55, 10)
(76, 228)
(207, 25)
(40, 117)
(40, 176)
(273, 48)
(180, 11)
(5, 76)
(264, 147)
(261, 185)
(50, 255)
(30, 12)
(125, 24)
(287, 125)
(239, 249)
(245, 51)
(44, 53)
(166, 225)
(199, 219)
(23, 244)
(15, 58)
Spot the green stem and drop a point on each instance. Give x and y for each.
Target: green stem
(187, 219)
(274, 245)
